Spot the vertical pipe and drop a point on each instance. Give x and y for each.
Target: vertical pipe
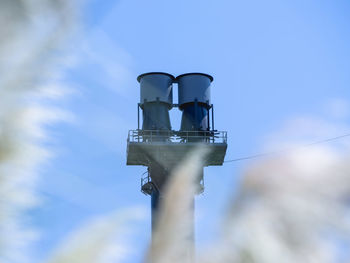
(138, 116)
(212, 117)
(138, 122)
(207, 133)
(208, 119)
(160, 177)
(189, 250)
(154, 207)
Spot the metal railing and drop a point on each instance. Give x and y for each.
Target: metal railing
(146, 183)
(149, 136)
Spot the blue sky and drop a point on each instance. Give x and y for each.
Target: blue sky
(272, 62)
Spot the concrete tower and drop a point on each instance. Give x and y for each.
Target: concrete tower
(159, 147)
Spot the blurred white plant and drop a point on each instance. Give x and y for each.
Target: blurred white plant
(31, 34)
(290, 208)
(173, 237)
(102, 240)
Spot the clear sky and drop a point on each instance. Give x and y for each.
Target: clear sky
(272, 61)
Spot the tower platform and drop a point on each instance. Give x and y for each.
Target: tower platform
(168, 148)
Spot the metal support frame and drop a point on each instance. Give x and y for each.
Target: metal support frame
(138, 119)
(212, 117)
(196, 112)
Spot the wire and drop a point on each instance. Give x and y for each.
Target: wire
(255, 156)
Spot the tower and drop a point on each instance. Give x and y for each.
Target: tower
(159, 147)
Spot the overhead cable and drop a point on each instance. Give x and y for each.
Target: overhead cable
(255, 156)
